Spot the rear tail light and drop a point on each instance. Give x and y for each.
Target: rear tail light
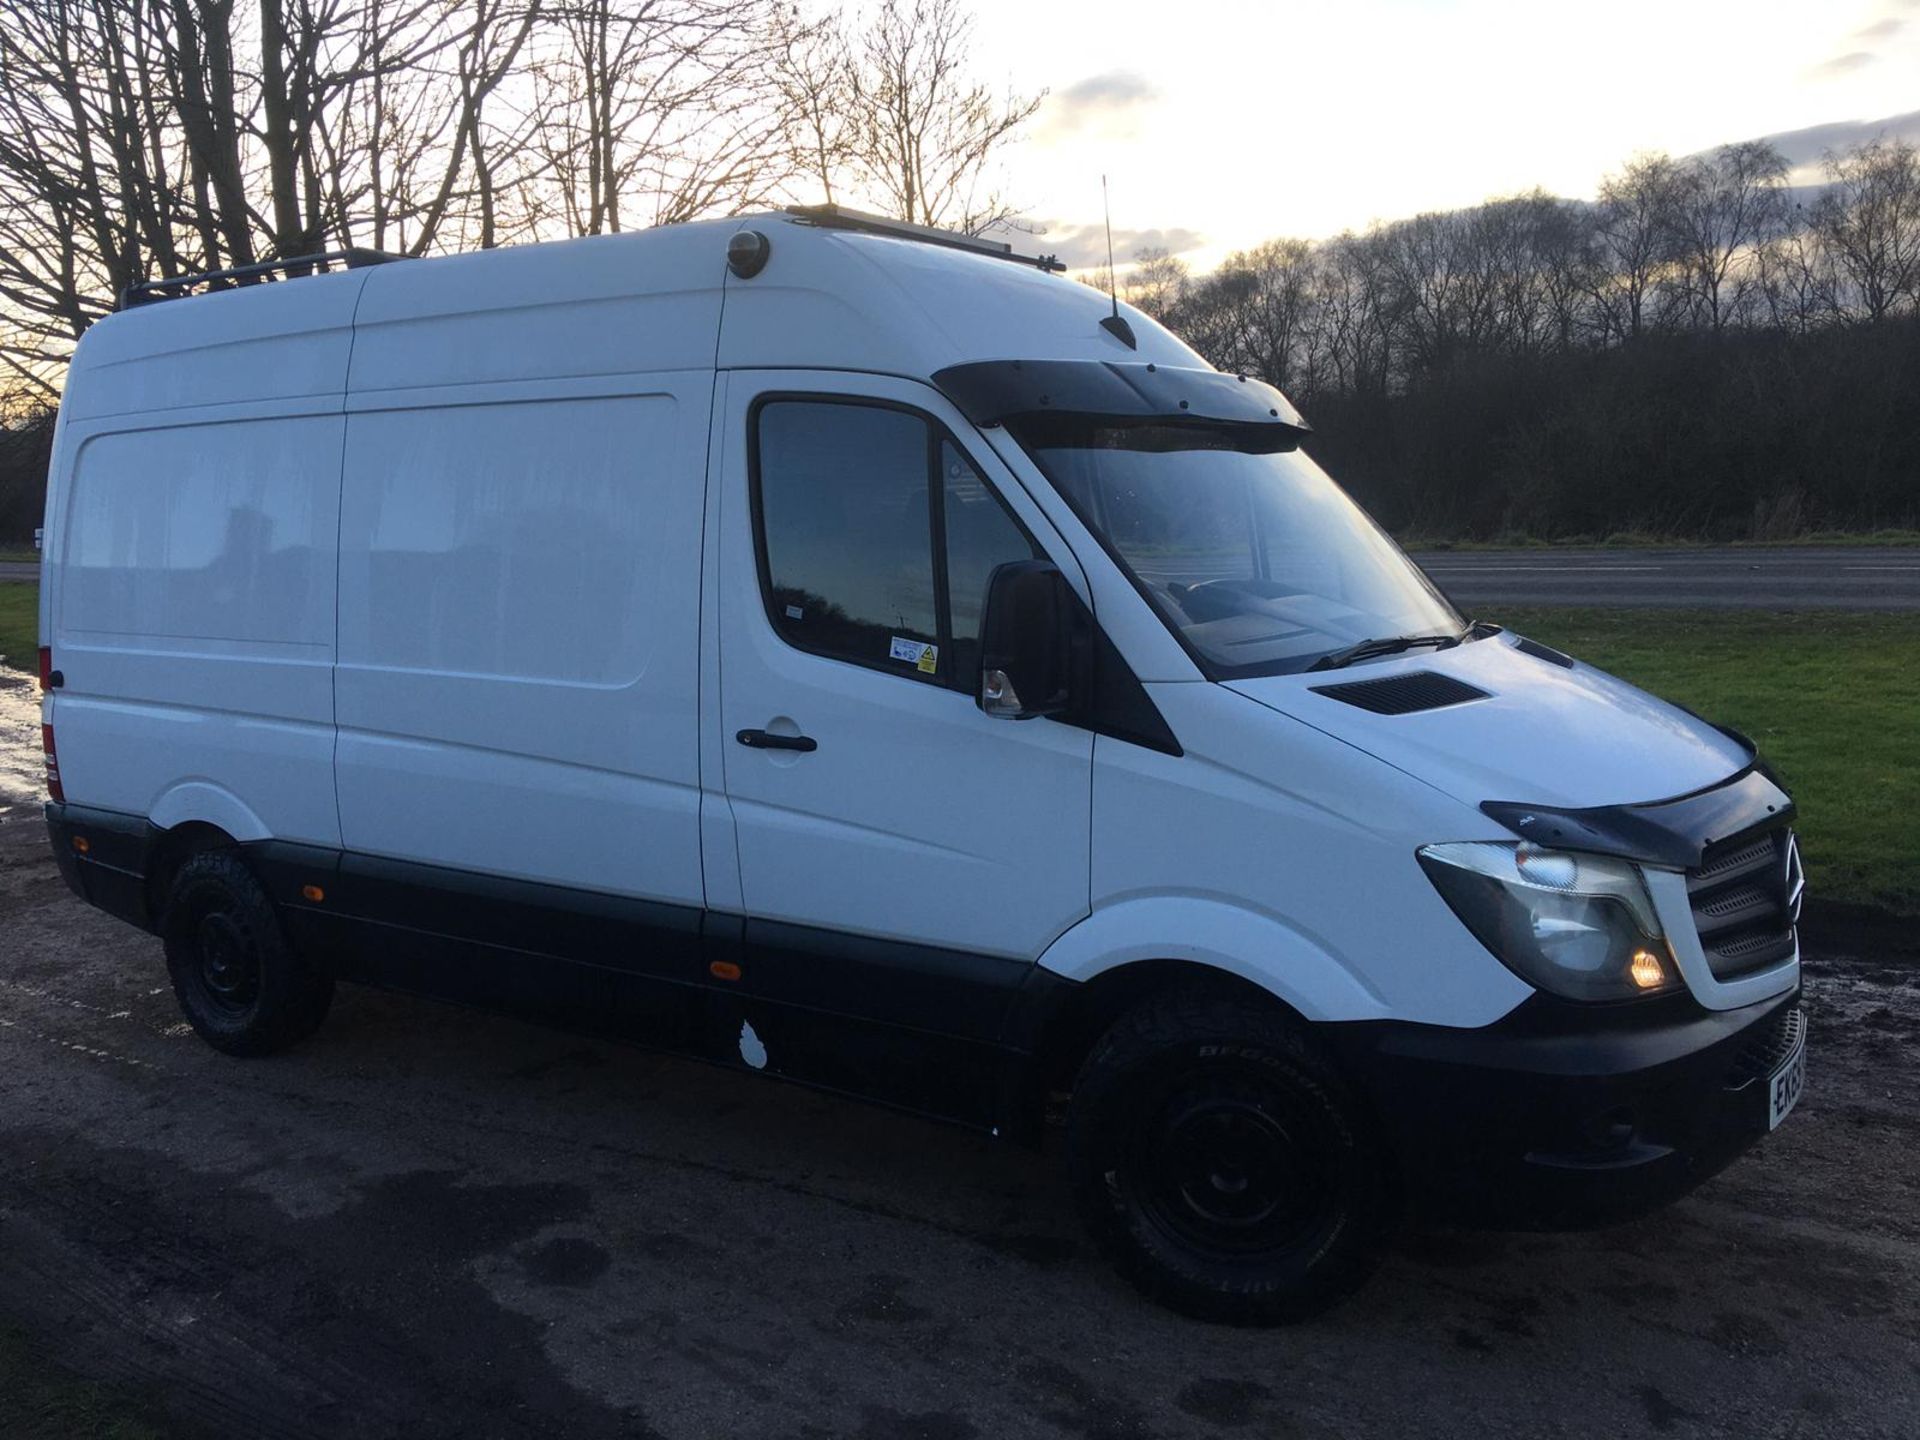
(54, 790)
(46, 667)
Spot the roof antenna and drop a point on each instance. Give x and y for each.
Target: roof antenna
(1114, 324)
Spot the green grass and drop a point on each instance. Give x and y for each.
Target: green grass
(40, 1401)
(1634, 539)
(20, 552)
(19, 624)
(1832, 699)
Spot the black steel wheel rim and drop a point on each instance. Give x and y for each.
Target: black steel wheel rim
(226, 963)
(1236, 1164)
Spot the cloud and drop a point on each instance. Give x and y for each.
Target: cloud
(1840, 65)
(1082, 247)
(1109, 104)
(1806, 147)
(1869, 38)
(1114, 87)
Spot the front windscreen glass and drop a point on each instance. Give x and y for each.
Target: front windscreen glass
(1258, 560)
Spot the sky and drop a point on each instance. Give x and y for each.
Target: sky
(1221, 123)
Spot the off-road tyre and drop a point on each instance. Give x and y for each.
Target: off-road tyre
(238, 981)
(1221, 1163)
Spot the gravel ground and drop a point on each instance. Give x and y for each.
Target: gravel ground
(434, 1223)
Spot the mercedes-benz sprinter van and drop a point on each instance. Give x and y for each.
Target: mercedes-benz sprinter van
(860, 655)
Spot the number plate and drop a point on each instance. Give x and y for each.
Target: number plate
(1783, 1089)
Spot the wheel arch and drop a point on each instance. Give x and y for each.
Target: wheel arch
(1124, 954)
(203, 803)
(1218, 936)
(172, 848)
(1085, 1012)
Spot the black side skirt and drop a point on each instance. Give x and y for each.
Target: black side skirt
(943, 1033)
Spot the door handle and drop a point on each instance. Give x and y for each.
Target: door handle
(761, 740)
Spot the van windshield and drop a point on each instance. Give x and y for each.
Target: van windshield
(1257, 560)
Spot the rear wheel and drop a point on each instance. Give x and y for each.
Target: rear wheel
(1222, 1164)
(239, 983)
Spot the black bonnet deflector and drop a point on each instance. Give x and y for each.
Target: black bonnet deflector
(1673, 833)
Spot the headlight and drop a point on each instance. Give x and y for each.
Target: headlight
(1579, 926)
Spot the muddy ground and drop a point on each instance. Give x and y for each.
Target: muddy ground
(427, 1222)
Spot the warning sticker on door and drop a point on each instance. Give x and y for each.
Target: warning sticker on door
(923, 657)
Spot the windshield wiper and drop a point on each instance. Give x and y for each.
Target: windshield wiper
(1388, 645)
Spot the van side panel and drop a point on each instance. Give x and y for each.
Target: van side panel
(255, 345)
(193, 619)
(601, 305)
(519, 631)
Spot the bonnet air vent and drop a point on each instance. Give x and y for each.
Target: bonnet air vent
(1403, 694)
(1542, 652)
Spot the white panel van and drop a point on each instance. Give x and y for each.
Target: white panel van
(860, 655)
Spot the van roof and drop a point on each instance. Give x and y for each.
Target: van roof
(828, 298)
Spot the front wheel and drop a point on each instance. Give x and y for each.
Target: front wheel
(1223, 1165)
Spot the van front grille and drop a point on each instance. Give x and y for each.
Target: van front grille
(1745, 895)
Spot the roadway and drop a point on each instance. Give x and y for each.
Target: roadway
(1812, 577)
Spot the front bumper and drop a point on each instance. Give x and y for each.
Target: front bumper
(1556, 1119)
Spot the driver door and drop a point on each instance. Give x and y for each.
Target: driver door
(879, 814)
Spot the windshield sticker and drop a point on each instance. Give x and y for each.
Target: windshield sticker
(923, 657)
(794, 612)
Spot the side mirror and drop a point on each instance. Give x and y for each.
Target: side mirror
(1026, 642)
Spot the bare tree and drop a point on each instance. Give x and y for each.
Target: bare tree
(1157, 283)
(1355, 327)
(657, 112)
(1724, 209)
(813, 75)
(1633, 232)
(925, 130)
(1868, 222)
(89, 192)
(1796, 281)
(1252, 314)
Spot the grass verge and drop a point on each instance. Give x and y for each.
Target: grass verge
(19, 624)
(1831, 699)
(24, 553)
(1637, 540)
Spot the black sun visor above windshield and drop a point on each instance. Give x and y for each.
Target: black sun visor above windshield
(1000, 392)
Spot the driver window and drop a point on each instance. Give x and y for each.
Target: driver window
(878, 536)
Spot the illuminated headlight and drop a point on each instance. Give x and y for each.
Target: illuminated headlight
(1579, 926)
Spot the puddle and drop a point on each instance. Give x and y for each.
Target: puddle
(22, 768)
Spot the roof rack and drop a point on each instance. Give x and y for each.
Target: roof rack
(838, 217)
(176, 286)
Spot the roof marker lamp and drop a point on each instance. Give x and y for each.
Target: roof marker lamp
(1578, 926)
